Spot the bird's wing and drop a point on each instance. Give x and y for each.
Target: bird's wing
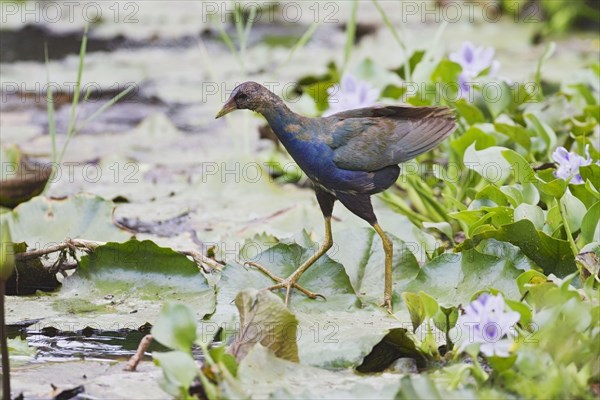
(368, 139)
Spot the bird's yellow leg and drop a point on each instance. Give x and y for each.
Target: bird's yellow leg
(290, 282)
(388, 248)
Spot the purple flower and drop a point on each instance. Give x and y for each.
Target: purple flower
(474, 61)
(569, 163)
(351, 93)
(485, 322)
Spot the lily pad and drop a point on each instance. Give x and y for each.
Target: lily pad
(44, 221)
(265, 375)
(335, 333)
(121, 285)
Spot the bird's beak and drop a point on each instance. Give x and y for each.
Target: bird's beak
(227, 108)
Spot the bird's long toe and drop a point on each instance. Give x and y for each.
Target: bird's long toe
(288, 283)
(266, 272)
(387, 304)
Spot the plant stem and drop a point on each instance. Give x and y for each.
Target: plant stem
(4, 345)
(567, 229)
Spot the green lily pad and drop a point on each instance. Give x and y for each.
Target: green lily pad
(44, 221)
(266, 376)
(120, 285)
(361, 253)
(335, 333)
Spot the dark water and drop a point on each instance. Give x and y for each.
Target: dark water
(51, 343)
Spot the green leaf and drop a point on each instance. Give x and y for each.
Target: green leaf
(266, 320)
(489, 163)
(520, 167)
(176, 327)
(500, 364)
(7, 252)
(590, 226)
(543, 130)
(472, 135)
(445, 318)
(532, 213)
(529, 278)
(415, 308)
(447, 72)
(551, 254)
(179, 371)
(453, 278)
(415, 58)
(493, 193)
(431, 306)
(515, 133)
(497, 95)
(592, 173)
(508, 251)
(471, 113)
(574, 210)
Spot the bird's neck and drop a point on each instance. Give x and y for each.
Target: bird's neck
(284, 122)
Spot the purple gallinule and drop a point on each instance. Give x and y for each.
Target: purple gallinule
(348, 156)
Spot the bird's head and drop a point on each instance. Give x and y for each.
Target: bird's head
(247, 96)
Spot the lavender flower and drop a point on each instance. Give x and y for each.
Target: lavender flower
(350, 94)
(474, 61)
(486, 323)
(569, 163)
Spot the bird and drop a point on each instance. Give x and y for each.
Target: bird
(348, 156)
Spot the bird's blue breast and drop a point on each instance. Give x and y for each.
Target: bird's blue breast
(315, 158)
(306, 144)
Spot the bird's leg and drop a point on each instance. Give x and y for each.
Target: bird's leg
(290, 282)
(388, 248)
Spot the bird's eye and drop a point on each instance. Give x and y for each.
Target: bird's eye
(242, 96)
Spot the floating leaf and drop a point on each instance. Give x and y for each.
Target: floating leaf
(43, 221)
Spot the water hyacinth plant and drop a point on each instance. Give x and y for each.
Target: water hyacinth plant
(569, 164)
(351, 93)
(475, 61)
(486, 323)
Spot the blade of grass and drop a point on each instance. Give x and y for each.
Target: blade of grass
(392, 29)
(50, 106)
(302, 42)
(71, 129)
(229, 43)
(350, 33)
(105, 107)
(50, 112)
